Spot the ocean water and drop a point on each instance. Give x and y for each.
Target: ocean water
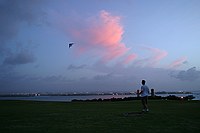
(90, 97)
(64, 98)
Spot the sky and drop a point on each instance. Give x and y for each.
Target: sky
(117, 43)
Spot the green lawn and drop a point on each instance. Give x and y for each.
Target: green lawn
(99, 117)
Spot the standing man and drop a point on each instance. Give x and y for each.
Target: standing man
(144, 94)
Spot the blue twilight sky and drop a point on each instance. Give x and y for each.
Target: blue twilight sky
(117, 43)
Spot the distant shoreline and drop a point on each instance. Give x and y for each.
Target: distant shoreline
(63, 98)
(84, 94)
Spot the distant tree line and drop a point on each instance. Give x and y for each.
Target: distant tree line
(170, 97)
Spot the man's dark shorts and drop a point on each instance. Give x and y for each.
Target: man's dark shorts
(144, 99)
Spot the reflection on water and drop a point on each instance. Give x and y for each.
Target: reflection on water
(70, 98)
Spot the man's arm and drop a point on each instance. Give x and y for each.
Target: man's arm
(141, 91)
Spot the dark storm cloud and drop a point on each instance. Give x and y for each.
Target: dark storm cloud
(73, 67)
(55, 79)
(15, 82)
(15, 12)
(103, 77)
(23, 57)
(190, 74)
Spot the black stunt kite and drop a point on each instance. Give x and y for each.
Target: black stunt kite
(70, 45)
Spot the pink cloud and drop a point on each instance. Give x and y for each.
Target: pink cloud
(156, 57)
(129, 58)
(158, 54)
(179, 62)
(102, 37)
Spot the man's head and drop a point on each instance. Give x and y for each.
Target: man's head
(143, 82)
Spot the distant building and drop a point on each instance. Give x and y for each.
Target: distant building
(152, 92)
(138, 93)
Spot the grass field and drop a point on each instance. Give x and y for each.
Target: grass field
(99, 117)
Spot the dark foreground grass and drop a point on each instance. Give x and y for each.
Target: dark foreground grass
(94, 117)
